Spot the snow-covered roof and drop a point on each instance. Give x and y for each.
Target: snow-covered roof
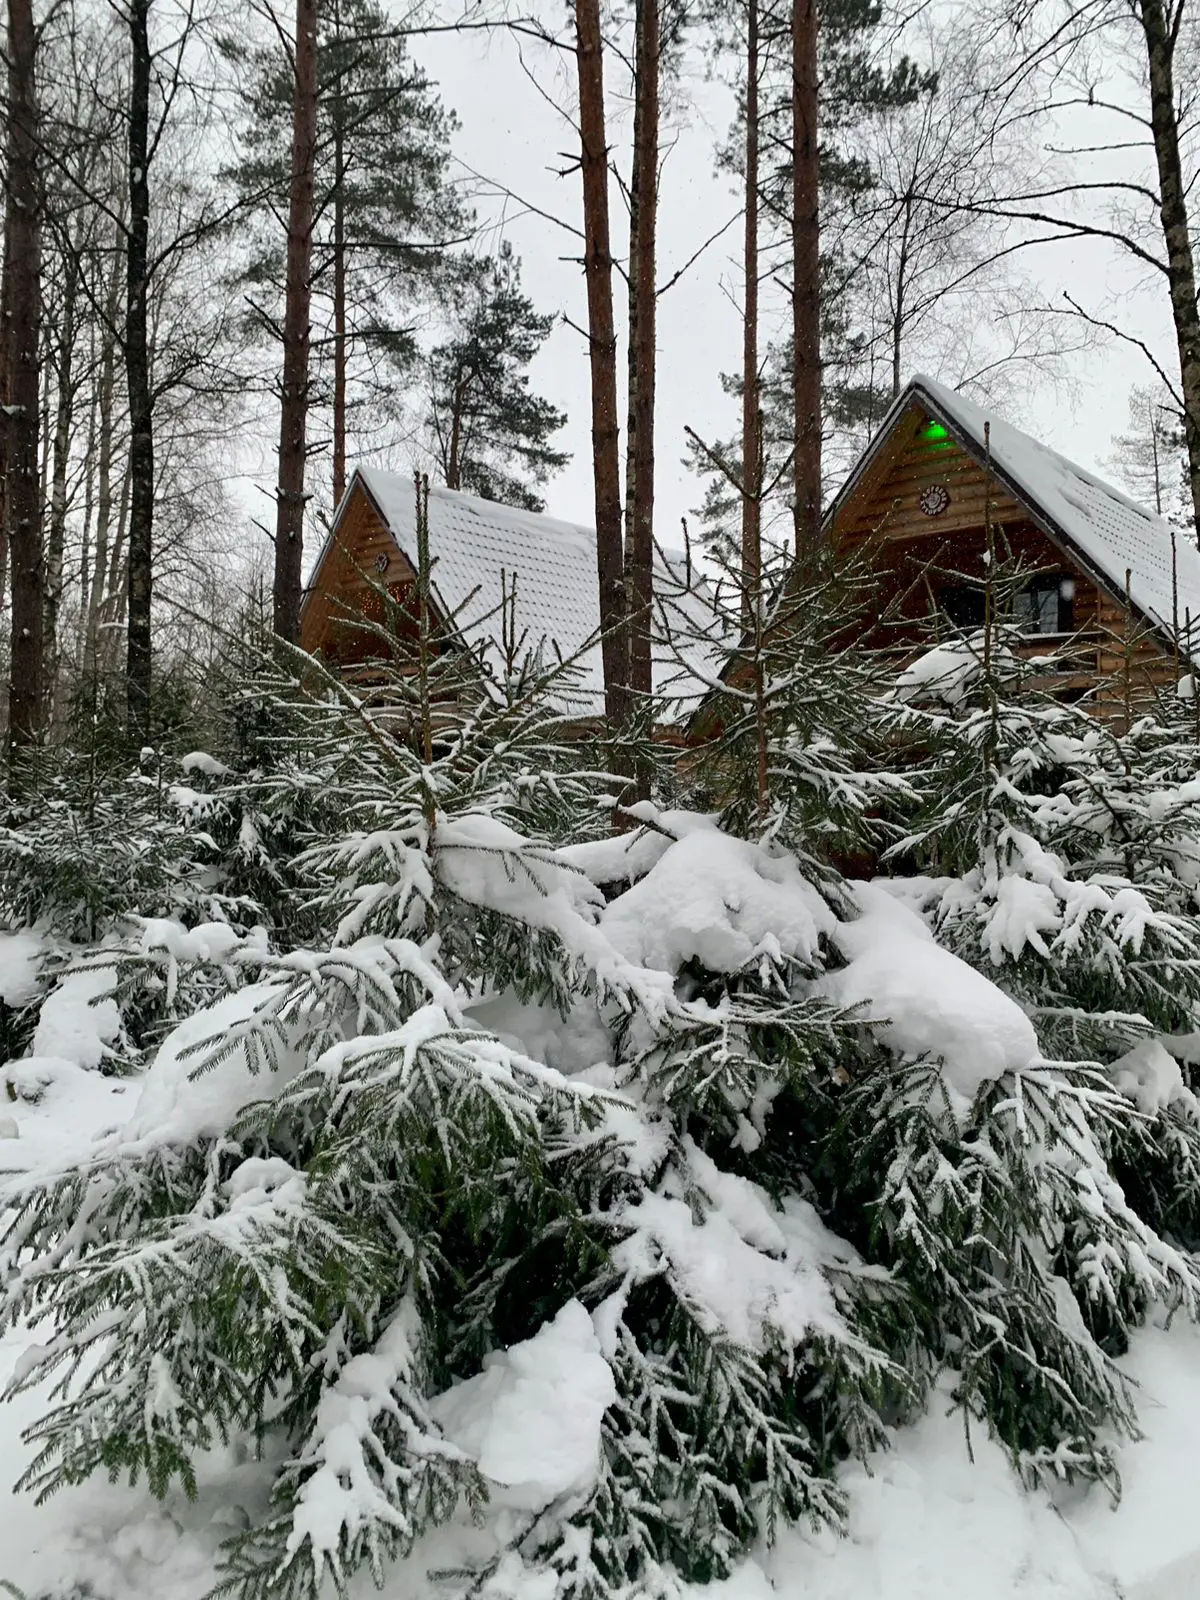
(474, 542)
(1109, 532)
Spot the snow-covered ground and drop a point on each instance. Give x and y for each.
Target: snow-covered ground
(938, 1517)
(932, 1519)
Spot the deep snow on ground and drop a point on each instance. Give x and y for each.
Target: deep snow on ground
(938, 1517)
(927, 1521)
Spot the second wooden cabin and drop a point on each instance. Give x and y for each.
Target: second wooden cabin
(1113, 591)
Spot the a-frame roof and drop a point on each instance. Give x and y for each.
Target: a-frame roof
(474, 542)
(1108, 533)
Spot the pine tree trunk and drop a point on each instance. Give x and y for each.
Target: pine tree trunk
(339, 341)
(806, 277)
(643, 289)
(602, 351)
(5, 383)
(64, 414)
(293, 421)
(751, 440)
(22, 303)
(339, 283)
(453, 463)
(137, 383)
(1181, 265)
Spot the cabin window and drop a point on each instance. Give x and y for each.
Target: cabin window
(1047, 605)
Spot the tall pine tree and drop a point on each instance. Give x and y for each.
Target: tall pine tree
(492, 435)
(386, 213)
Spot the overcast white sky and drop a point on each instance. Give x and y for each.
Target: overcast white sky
(511, 134)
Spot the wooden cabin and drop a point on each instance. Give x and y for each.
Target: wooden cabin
(1112, 593)
(1111, 598)
(481, 552)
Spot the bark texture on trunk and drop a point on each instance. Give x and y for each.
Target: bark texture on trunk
(22, 305)
(454, 451)
(602, 350)
(5, 371)
(137, 382)
(751, 437)
(293, 419)
(1181, 264)
(64, 417)
(105, 408)
(643, 293)
(339, 276)
(806, 276)
(339, 331)
(89, 513)
(101, 605)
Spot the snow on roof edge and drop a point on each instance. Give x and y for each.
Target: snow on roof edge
(556, 599)
(1105, 528)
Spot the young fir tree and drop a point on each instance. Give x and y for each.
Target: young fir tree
(792, 1157)
(933, 1163)
(337, 1162)
(492, 434)
(1070, 843)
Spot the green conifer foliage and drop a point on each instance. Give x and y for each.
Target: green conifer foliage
(689, 1084)
(492, 434)
(1069, 842)
(384, 202)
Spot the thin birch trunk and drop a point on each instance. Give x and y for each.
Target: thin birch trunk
(64, 417)
(138, 665)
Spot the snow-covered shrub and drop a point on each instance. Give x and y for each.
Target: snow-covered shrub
(1062, 852)
(341, 1196)
(979, 1156)
(628, 1184)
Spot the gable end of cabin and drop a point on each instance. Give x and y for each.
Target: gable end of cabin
(916, 512)
(344, 602)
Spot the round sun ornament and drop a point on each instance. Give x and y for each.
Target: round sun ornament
(934, 500)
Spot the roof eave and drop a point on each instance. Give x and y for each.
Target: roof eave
(879, 439)
(331, 533)
(979, 452)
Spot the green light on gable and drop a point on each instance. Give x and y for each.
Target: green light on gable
(935, 435)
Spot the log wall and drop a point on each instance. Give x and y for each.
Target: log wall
(1113, 660)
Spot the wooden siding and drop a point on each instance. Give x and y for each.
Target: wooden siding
(361, 563)
(910, 555)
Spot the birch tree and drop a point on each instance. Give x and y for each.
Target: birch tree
(1124, 73)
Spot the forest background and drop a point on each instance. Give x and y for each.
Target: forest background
(990, 206)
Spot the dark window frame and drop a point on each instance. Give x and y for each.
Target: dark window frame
(962, 606)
